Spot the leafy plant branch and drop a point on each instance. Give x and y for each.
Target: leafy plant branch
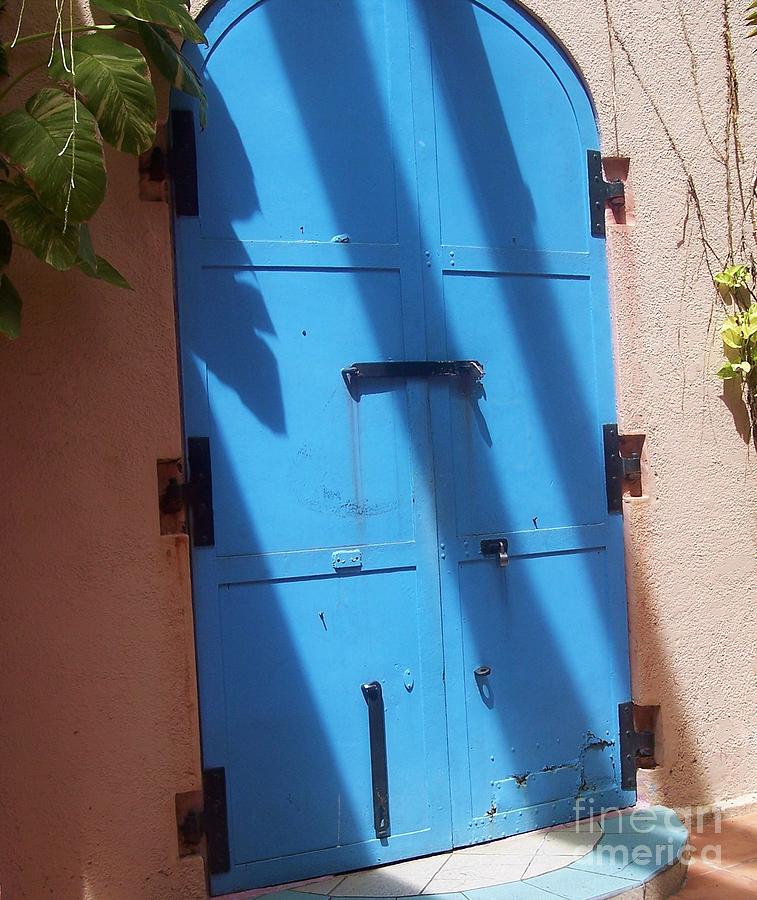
(728, 257)
(52, 170)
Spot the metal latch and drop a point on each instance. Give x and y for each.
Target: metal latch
(496, 547)
(347, 559)
(470, 369)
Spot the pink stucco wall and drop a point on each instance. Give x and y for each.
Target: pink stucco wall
(98, 687)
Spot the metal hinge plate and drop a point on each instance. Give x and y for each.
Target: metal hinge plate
(199, 492)
(215, 820)
(183, 163)
(600, 193)
(619, 470)
(633, 744)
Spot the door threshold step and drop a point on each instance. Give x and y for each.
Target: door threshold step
(636, 854)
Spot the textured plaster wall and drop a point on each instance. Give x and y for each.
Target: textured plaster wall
(97, 690)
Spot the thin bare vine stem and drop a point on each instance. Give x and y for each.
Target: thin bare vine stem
(77, 29)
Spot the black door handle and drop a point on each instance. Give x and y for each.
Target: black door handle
(431, 368)
(379, 776)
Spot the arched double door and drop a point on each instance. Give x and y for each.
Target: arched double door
(411, 614)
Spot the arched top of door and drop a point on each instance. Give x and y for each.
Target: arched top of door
(218, 17)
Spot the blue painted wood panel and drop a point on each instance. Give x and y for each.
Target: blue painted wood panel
(387, 180)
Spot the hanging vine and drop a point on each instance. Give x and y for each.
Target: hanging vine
(730, 261)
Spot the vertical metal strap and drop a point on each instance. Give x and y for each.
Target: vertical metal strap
(633, 744)
(200, 491)
(613, 468)
(379, 775)
(183, 161)
(600, 192)
(215, 819)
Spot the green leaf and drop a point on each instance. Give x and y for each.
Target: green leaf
(6, 244)
(732, 277)
(103, 270)
(171, 13)
(10, 309)
(37, 228)
(171, 64)
(44, 143)
(95, 266)
(727, 372)
(113, 81)
(730, 332)
(742, 366)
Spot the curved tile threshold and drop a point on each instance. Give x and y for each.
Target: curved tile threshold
(638, 855)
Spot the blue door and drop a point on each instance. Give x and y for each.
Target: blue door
(383, 182)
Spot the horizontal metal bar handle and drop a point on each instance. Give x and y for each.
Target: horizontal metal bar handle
(431, 368)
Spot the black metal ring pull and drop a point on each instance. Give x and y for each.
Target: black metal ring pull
(430, 368)
(482, 671)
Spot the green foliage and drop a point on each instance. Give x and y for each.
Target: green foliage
(113, 81)
(163, 54)
(170, 13)
(46, 143)
(48, 237)
(52, 170)
(739, 332)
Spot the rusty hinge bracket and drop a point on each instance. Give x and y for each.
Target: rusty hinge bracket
(619, 470)
(183, 163)
(196, 494)
(215, 821)
(634, 746)
(601, 193)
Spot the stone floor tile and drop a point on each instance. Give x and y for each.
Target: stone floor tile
(516, 891)
(465, 872)
(574, 884)
(517, 845)
(546, 862)
(323, 886)
(569, 843)
(398, 880)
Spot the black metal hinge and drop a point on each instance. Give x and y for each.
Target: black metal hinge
(619, 470)
(600, 193)
(633, 745)
(199, 492)
(215, 820)
(196, 494)
(183, 163)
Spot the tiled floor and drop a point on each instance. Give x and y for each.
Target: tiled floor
(634, 854)
(723, 864)
(485, 865)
